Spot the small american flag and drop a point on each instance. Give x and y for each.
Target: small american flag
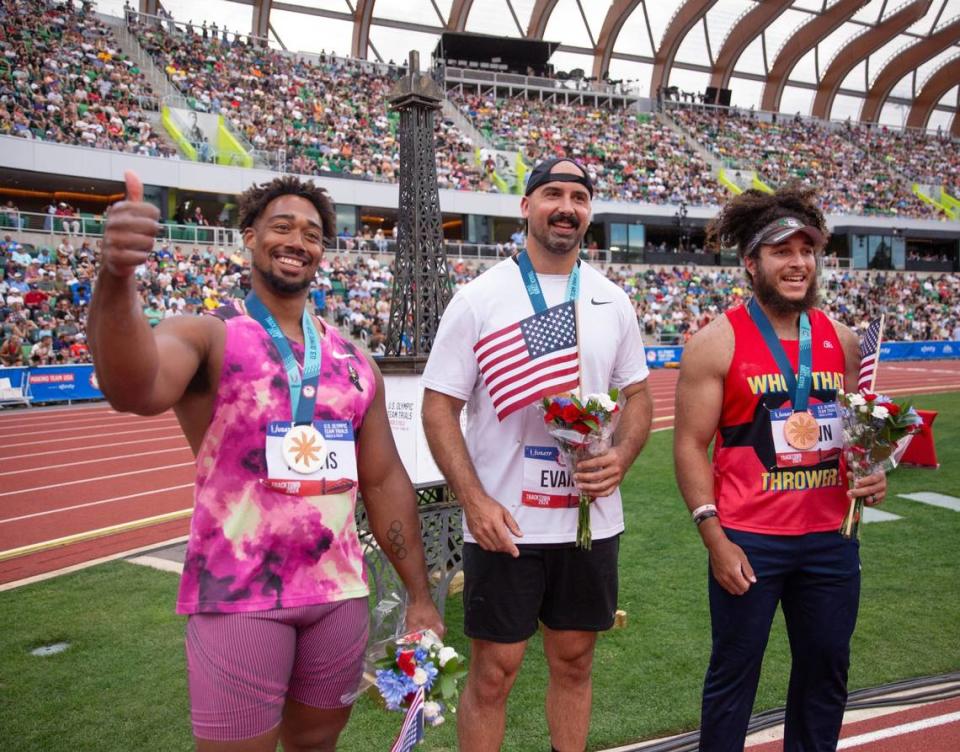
(869, 355)
(411, 731)
(530, 359)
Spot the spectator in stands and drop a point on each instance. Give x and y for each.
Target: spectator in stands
(11, 351)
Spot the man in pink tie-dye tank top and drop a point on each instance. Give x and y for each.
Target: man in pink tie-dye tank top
(287, 421)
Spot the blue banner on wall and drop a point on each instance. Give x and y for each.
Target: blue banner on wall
(660, 357)
(60, 383)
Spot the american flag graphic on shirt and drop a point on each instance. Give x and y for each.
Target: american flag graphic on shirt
(531, 359)
(869, 355)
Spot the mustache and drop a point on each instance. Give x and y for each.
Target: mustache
(558, 217)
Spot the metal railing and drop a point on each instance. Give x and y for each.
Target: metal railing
(83, 226)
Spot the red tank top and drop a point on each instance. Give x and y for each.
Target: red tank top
(761, 484)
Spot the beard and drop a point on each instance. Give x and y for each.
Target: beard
(559, 246)
(767, 293)
(278, 284)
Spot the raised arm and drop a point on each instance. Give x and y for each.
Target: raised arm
(488, 521)
(391, 505)
(139, 369)
(706, 359)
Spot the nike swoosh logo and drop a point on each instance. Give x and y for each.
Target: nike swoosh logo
(600, 302)
(342, 356)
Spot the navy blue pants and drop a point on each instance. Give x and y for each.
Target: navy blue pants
(816, 579)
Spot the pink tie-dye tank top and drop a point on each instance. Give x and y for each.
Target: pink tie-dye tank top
(252, 548)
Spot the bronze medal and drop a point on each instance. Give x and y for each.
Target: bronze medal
(801, 431)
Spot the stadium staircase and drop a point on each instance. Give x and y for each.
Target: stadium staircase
(130, 45)
(171, 119)
(716, 164)
(505, 177)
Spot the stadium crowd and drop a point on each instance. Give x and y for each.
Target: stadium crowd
(850, 163)
(44, 295)
(631, 156)
(327, 116)
(67, 81)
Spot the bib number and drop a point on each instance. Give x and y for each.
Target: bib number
(547, 481)
(312, 460)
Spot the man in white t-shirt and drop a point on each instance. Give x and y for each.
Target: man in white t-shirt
(521, 564)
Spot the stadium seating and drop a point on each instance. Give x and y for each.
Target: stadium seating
(855, 168)
(67, 81)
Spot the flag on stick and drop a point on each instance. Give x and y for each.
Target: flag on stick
(870, 355)
(533, 358)
(411, 732)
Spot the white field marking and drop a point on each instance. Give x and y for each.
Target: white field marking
(73, 438)
(151, 492)
(91, 480)
(91, 563)
(93, 426)
(157, 562)
(934, 499)
(153, 440)
(903, 728)
(663, 418)
(98, 459)
(878, 515)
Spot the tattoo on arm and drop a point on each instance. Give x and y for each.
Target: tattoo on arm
(397, 541)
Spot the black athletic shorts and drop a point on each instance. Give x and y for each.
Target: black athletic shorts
(563, 586)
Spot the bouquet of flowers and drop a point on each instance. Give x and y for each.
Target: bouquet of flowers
(416, 661)
(876, 431)
(582, 429)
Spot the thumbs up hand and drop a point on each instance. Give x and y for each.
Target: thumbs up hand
(130, 230)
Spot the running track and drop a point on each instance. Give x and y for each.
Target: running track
(82, 483)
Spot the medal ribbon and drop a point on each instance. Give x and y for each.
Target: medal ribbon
(303, 389)
(532, 284)
(798, 387)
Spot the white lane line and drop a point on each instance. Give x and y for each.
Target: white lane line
(903, 728)
(153, 440)
(91, 480)
(85, 422)
(100, 408)
(151, 492)
(878, 515)
(99, 435)
(33, 418)
(934, 499)
(120, 424)
(921, 389)
(44, 468)
(87, 535)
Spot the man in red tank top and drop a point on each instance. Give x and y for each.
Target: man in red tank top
(760, 382)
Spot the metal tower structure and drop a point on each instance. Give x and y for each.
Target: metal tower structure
(421, 288)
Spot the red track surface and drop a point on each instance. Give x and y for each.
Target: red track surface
(72, 471)
(927, 728)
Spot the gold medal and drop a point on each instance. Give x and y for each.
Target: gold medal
(304, 449)
(801, 431)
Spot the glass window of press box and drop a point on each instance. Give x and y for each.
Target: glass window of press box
(878, 251)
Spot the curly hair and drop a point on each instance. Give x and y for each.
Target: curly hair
(743, 216)
(255, 199)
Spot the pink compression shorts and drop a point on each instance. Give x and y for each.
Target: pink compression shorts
(242, 667)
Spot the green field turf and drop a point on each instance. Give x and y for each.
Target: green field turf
(121, 684)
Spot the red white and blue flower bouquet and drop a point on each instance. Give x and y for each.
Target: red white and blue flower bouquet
(420, 662)
(876, 432)
(582, 429)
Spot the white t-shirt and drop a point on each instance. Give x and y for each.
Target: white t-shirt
(611, 354)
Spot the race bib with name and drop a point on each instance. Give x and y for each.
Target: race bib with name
(336, 462)
(825, 442)
(547, 481)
